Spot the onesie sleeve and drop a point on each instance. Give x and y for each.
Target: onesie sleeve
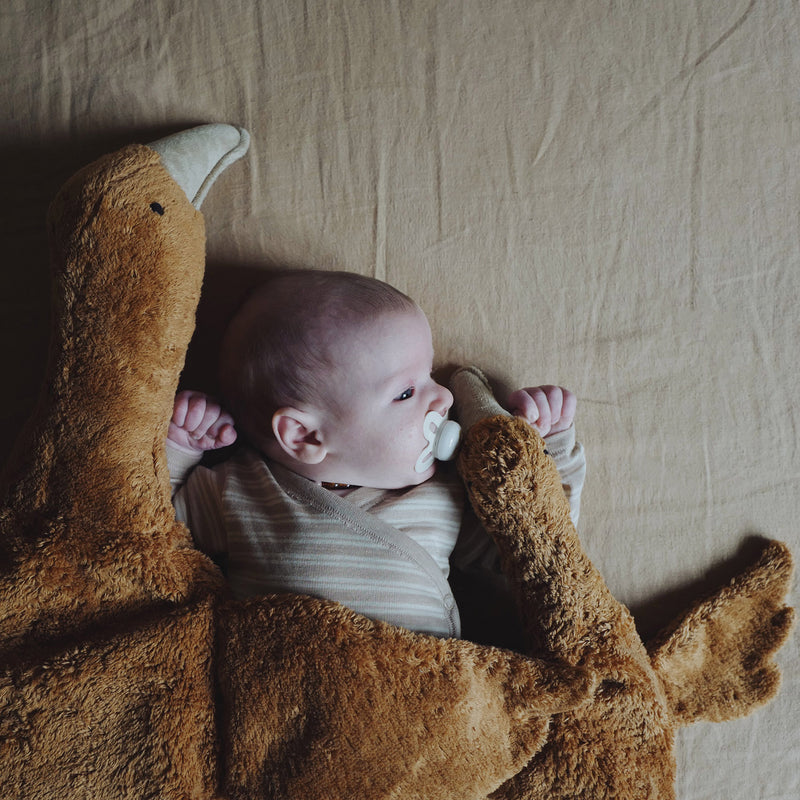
(196, 497)
(570, 460)
(180, 464)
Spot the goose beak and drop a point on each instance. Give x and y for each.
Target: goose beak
(195, 157)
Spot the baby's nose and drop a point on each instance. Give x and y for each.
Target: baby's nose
(443, 400)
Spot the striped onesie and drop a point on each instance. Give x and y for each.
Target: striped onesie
(383, 553)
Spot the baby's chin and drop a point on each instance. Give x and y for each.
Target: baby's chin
(417, 478)
(388, 481)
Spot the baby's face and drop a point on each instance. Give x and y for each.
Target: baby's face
(383, 391)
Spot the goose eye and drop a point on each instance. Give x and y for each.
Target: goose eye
(158, 208)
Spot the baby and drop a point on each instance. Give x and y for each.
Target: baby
(328, 375)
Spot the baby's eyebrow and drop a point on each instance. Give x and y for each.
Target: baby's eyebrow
(393, 380)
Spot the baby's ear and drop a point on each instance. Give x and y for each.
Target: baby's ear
(298, 434)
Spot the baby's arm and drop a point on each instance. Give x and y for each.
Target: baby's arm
(198, 424)
(551, 411)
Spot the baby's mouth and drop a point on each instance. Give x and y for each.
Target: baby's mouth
(443, 437)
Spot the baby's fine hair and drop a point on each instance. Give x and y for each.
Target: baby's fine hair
(276, 350)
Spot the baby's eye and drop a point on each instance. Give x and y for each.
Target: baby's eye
(406, 395)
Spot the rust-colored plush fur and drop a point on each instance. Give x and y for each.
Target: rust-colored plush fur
(714, 663)
(127, 672)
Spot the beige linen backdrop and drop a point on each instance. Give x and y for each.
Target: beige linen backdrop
(599, 194)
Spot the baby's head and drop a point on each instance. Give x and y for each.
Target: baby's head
(329, 373)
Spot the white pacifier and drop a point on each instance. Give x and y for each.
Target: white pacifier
(442, 435)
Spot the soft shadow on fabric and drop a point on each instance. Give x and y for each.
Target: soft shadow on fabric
(654, 614)
(33, 172)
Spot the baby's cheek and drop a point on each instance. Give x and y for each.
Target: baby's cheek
(409, 442)
(416, 435)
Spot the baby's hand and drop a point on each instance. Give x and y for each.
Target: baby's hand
(549, 409)
(198, 423)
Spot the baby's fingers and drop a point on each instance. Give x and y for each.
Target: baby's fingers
(545, 419)
(563, 404)
(199, 422)
(181, 407)
(521, 405)
(550, 409)
(200, 415)
(222, 432)
(533, 405)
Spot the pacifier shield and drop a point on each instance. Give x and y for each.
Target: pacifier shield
(442, 435)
